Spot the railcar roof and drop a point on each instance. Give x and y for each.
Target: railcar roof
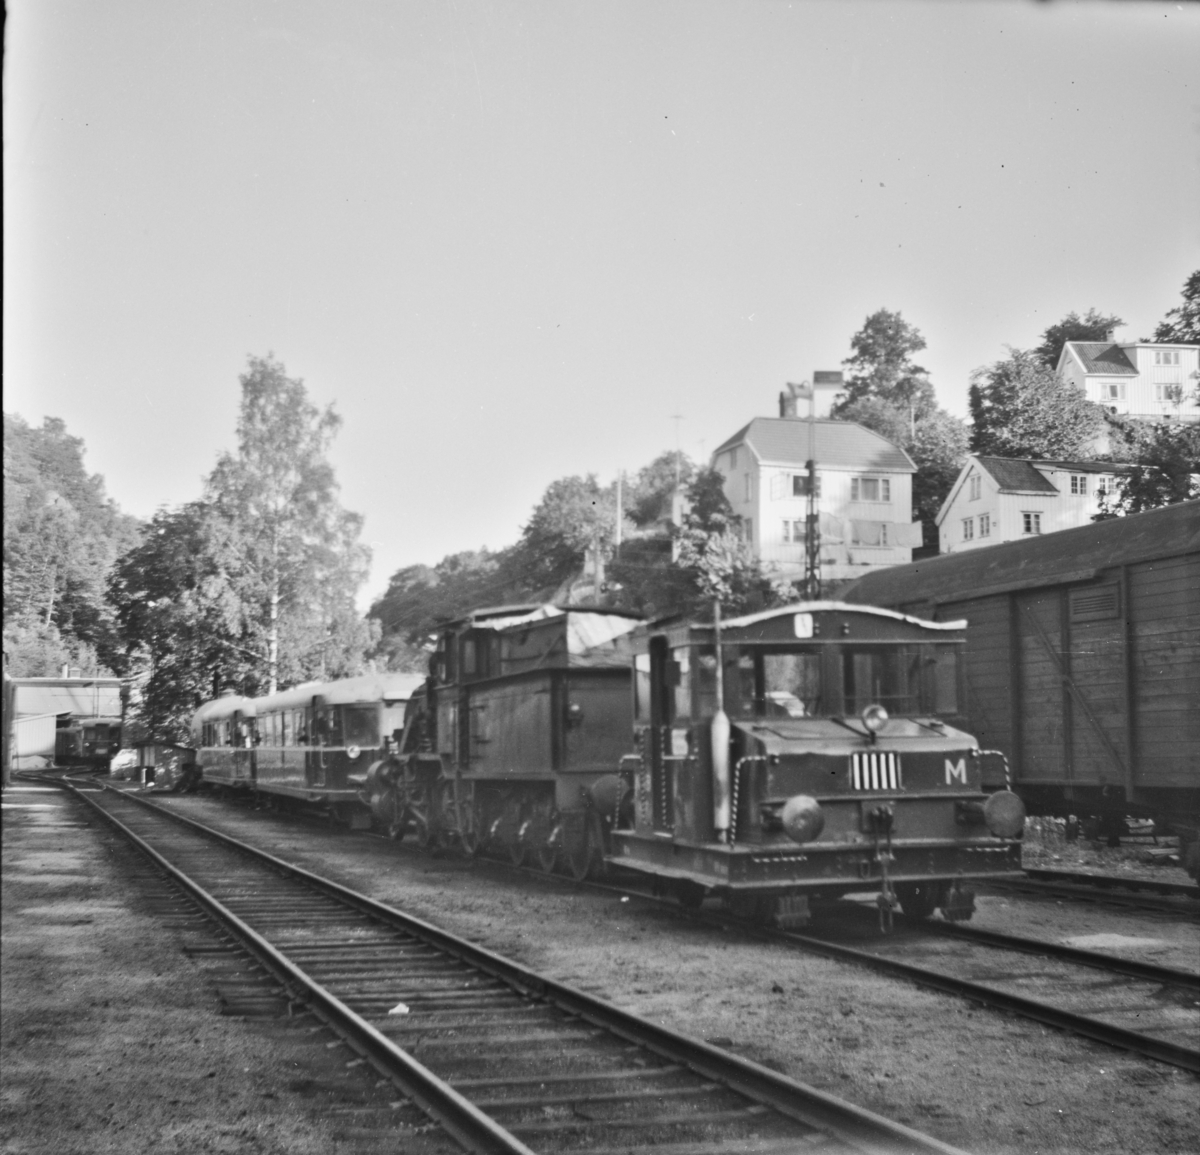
(344, 692)
(224, 707)
(1060, 558)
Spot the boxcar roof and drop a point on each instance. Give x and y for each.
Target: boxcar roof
(1069, 555)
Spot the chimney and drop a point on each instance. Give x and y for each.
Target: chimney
(1110, 335)
(787, 401)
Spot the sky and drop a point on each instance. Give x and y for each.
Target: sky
(515, 241)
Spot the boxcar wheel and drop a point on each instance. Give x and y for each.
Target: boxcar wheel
(582, 848)
(919, 899)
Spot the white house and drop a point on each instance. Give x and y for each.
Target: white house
(1134, 378)
(998, 499)
(864, 494)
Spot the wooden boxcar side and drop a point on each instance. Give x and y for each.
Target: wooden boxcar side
(1083, 658)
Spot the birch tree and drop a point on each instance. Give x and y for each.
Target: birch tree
(302, 560)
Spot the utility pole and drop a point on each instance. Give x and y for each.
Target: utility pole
(811, 587)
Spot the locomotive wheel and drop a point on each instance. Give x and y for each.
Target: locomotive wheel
(582, 846)
(688, 894)
(919, 899)
(546, 852)
(468, 829)
(544, 835)
(426, 817)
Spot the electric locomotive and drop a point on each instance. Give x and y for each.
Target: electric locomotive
(804, 752)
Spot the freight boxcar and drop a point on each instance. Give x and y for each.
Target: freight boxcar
(1082, 662)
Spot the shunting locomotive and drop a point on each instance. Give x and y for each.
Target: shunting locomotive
(804, 752)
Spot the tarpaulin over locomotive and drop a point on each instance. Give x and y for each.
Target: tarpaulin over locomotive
(1082, 660)
(805, 750)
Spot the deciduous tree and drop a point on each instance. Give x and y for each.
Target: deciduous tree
(61, 536)
(1166, 471)
(881, 366)
(1021, 408)
(1092, 326)
(1181, 325)
(303, 560)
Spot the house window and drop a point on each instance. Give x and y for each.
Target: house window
(985, 525)
(793, 530)
(1032, 522)
(1079, 483)
(973, 486)
(1166, 356)
(870, 489)
(968, 528)
(869, 533)
(748, 530)
(800, 485)
(1112, 390)
(1103, 487)
(733, 459)
(1164, 391)
(749, 490)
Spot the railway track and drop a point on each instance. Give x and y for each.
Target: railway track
(505, 1060)
(1134, 1006)
(1108, 889)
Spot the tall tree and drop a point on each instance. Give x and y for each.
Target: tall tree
(881, 366)
(574, 515)
(1092, 326)
(1021, 408)
(61, 536)
(1181, 325)
(303, 559)
(185, 626)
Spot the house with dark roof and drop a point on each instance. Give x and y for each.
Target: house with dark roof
(863, 494)
(996, 499)
(1154, 382)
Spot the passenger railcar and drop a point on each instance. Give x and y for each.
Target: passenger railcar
(1082, 662)
(315, 744)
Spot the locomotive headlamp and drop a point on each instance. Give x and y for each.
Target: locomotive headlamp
(352, 752)
(802, 818)
(1004, 814)
(874, 717)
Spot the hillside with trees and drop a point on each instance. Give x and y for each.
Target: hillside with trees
(62, 534)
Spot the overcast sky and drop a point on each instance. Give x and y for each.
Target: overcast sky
(511, 241)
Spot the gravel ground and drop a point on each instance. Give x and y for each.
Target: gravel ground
(971, 1077)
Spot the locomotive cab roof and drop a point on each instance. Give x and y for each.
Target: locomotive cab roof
(813, 623)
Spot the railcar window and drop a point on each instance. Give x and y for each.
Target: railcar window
(890, 676)
(641, 686)
(683, 688)
(791, 684)
(945, 680)
(360, 725)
